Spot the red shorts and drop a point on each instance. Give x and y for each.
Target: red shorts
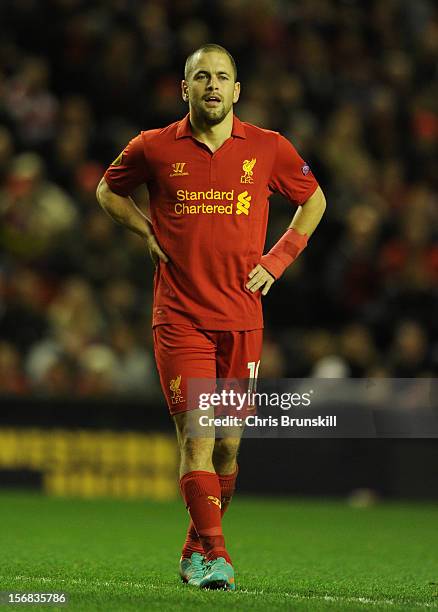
(183, 352)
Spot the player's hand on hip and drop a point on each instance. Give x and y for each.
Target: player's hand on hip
(259, 277)
(155, 251)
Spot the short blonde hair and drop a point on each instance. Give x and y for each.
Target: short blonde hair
(209, 48)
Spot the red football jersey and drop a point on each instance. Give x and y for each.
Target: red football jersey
(209, 213)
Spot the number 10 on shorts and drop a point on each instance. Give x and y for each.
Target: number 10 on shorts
(253, 367)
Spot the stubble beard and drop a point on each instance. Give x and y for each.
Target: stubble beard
(213, 116)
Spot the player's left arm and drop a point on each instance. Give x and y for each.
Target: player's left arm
(290, 245)
(292, 177)
(308, 216)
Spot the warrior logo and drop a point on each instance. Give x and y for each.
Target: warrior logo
(178, 169)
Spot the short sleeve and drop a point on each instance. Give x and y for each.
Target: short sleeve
(291, 175)
(128, 170)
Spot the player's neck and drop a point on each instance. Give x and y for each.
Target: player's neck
(213, 136)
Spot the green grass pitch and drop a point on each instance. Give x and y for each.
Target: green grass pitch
(289, 554)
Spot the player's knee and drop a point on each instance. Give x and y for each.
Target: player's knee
(226, 449)
(197, 448)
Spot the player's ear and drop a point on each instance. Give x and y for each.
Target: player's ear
(236, 93)
(184, 90)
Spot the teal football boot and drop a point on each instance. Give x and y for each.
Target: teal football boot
(218, 574)
(192, 570)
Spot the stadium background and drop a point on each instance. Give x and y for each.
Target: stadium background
(354, 86)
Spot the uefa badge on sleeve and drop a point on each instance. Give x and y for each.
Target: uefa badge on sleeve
(305, 169)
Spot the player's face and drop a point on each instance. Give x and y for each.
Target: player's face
(210, 88)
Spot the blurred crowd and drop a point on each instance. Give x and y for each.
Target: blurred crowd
(353, 84)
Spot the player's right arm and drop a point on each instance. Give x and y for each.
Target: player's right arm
(123, 210)
(126, 174)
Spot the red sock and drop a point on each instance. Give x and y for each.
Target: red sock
(228, 485)
(201, 492)
(193, 543)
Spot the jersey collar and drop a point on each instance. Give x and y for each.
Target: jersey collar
(184, 129)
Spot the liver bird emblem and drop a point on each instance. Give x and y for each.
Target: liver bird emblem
(248, 165)
(175, 383)
(174, 386)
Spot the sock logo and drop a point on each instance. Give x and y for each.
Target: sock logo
(215, 500)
